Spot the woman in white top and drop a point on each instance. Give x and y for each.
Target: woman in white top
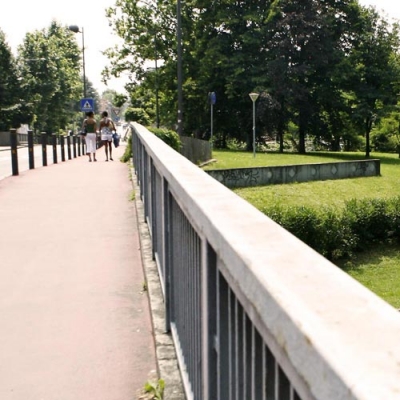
(106, 130)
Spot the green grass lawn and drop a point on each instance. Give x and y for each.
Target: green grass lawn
(379, 268)
(316, 194)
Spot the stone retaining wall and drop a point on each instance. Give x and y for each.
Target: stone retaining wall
(245, 177)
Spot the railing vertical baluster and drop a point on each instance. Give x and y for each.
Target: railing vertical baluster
(270, 372)
(14, 151)
(223, 334)
(31, 154)
(209, 321)
(230, 347)
(44, 149)
(237, 351)
(258, 366)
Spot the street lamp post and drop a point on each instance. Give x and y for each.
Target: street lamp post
(254, 97)
(155, 69)
(157, 100)
(75, 29)
(179, 54)
(212, 97)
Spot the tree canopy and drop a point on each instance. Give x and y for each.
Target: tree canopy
(42, 85)
(325, 69)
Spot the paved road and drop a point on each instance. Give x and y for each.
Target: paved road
(74, 321)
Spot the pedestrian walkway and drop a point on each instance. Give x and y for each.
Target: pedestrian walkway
(75, 322)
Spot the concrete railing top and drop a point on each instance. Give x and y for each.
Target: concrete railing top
(341, 338)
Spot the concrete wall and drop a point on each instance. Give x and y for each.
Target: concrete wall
(5, 139)
(195, 150)
(244, 177)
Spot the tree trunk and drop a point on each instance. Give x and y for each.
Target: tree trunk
(368, 127)
(302, 134)
(280, 142)
(335, 144)
(281, 126)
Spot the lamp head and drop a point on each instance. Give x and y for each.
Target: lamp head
(74, 28)
(254, 96)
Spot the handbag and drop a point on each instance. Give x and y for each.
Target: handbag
(116, 139)
(83, 132)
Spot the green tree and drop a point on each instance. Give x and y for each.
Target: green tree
(49, 65)
(374, 78)
(306, 43)
(302, 57)
(10, 106)
(148, 30)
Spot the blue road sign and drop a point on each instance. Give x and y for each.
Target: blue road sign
(87, 105)
(212, 97)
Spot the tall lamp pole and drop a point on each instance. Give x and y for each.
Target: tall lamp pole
(156, 70)
(75, 29)
(157, 100)
(254, 97)
(179, 53)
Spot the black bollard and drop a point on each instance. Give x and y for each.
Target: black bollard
(54, 144)
(79, 146)
(83, 146)
(14, 151)
(44, 149)
(74, 145)
(31, 154)
(69, 147)
(62, 148)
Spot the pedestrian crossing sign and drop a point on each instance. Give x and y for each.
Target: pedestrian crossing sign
(87, 105)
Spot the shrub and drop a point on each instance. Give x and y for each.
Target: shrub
(335, 233)
(303, 223)
(128, 150)
(393, 214)
(336, 238)
(168, 136)
(368, 219)
(138, 115)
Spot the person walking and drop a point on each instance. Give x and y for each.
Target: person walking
(106, 127)
(90, 127)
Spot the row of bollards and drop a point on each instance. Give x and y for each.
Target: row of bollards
(78, 148)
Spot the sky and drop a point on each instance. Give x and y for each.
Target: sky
(390, 8)
(22, 16)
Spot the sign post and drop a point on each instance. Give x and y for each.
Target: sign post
(212, 97)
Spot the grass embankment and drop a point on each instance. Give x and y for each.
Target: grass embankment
(378, 268)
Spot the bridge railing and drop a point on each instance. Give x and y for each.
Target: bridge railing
(256, 314)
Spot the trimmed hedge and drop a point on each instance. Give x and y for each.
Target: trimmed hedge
(338, 233)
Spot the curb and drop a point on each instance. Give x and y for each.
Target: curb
(166, 358)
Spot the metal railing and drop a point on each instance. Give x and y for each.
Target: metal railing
(254, 313)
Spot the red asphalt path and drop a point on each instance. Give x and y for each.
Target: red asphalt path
(74, 323)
